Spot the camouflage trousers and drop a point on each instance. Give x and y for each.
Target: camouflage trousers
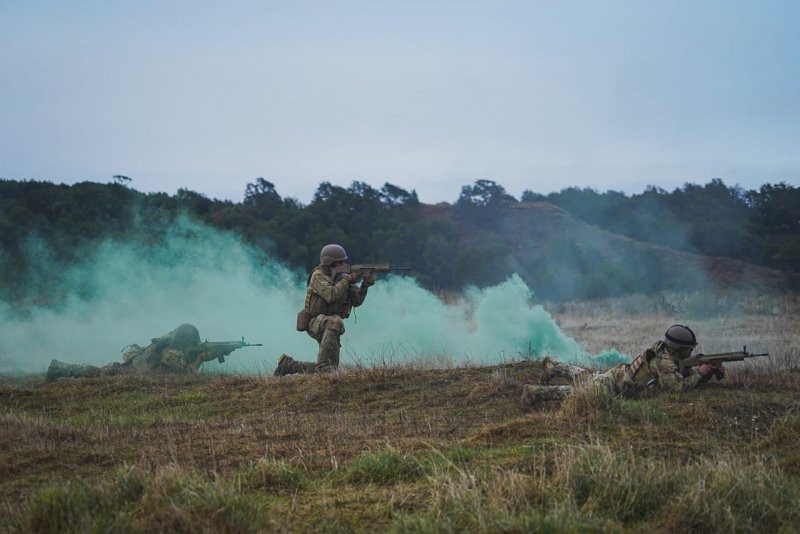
(59, 369)
(167, 360)
(326, 330)
(615, 381)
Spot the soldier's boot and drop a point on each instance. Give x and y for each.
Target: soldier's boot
(59, 369)
(284, 361)
(555, 370)
(289, 366)
(533, 395)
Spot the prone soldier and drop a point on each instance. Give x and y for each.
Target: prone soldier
(179, 351)
(667, 366)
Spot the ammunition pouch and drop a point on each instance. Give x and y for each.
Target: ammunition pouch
(638, 370)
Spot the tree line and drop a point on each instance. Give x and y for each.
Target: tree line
(757, 226)
(59, 222)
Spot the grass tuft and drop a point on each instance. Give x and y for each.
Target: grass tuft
(170, 500)
(614, 484)
(74, 507)
(383, 467)
(729, 496)
(273, 475)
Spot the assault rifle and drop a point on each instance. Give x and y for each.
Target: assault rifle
(372, 268)
(716, 359)
(217, 350)
(368, 268)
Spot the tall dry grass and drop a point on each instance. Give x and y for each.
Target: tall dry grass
(597, 487)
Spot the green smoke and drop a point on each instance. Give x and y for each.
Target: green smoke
(126, 292)
(486, 325)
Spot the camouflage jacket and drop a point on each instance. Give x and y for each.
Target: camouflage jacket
(328, 298)
(158, 360)
(659, 363)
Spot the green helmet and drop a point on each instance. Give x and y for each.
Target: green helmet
(186, 337)
(331, 254)
(680, 336)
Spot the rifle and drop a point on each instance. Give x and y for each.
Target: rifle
(372, 268)
(217, 350)
(716, 359)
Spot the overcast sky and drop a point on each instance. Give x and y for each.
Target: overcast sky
(427, 95)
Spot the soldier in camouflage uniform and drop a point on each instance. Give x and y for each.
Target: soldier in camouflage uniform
(330, 296)
(175, 352)
(654, 369)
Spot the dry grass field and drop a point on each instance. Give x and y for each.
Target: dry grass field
(414, 448)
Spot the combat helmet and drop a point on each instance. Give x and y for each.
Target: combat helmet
(185, 338)
(331, 254)
(680, 336)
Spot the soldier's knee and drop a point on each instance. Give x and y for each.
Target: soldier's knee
(325, 367)
(335, 324)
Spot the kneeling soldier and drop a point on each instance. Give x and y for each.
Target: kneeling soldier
(330, 296)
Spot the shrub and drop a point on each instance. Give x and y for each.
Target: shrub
(75, 507)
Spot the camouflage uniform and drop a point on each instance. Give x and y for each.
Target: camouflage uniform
(59, 369)
(169, 353)
(328, 303)
(654, 369)
(164, 359)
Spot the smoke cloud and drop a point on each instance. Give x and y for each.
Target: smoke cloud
(130, 291)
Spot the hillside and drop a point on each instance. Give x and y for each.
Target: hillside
(560, 256)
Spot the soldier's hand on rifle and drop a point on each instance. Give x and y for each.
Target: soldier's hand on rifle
(353, 276)
(708, 370)
(719, 372)
(369, 280)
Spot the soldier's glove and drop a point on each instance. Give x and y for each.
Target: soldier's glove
(707, 371)
(369, 280)
(719, 372)
(353, 277)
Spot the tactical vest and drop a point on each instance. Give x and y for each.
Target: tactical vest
(644, 366)
(317, 306)
(638, 371)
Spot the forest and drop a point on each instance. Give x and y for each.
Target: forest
(60, 222)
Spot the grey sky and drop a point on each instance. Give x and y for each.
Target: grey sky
(426, 95)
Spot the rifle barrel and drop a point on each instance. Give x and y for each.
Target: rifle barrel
(379, 267)
(730, 354)
(239, 343)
